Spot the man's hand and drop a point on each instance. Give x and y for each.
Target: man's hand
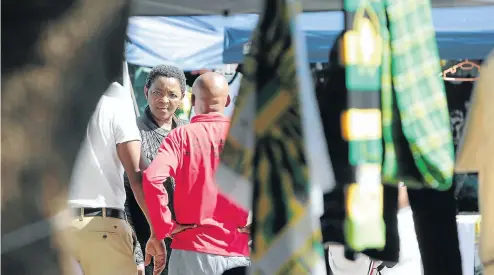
(245, 229)
(156, 249)
(182, 227)
(140, 269)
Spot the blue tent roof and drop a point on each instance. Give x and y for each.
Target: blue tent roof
(208, 7)
(461, 33)
(196, 42)
(189, 42)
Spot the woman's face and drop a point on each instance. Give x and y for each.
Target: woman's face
(164, 96)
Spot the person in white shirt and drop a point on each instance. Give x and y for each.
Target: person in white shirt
(100, 238)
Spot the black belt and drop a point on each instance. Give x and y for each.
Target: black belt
(98, 212)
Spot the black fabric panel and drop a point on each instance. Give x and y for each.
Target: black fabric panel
(365, 100)
(241, 270)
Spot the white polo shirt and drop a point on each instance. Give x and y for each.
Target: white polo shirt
(97, 175)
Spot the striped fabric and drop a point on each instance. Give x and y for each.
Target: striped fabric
(274, 157)
(362, 47)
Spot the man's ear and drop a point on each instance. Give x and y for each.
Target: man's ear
(146, 92)
(193, 100)
(228, 101)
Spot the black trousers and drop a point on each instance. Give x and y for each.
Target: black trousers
(434, 215)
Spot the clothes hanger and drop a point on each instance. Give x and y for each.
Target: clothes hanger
(465, 66)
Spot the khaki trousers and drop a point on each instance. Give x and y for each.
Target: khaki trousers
(101, 245)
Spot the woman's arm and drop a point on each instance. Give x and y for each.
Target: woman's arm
(130, 156)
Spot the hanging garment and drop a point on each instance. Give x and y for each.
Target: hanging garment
(414, 119)
(269, 142)
(411, 70)
(373, 46)
(434, 218)
(421, 150)
(475, 155)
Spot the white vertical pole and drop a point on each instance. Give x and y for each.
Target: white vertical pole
(128, 85)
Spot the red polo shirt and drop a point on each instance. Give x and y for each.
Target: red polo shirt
(190, 154)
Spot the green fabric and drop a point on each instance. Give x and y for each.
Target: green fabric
(411, 70)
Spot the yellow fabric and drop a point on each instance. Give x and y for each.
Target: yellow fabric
(475, 155)
(488, 270)
(101, 245)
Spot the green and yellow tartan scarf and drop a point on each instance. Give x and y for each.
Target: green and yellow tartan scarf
(412, 71)
(286, 237)
(391, 59)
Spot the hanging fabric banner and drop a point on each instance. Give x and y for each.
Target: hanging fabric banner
(361, 125)
(276, 149)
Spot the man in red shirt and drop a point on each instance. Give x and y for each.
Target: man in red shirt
(209, 233)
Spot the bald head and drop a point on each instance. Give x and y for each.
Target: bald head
(210, 93)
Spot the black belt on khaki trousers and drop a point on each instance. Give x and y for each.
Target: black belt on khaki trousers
(101, 212)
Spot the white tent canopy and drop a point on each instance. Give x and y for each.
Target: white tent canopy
(208, 7)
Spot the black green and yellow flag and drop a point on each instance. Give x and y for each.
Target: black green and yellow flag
(275, 158)
(362, 54)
